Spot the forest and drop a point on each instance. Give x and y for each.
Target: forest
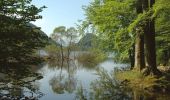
(119, 51)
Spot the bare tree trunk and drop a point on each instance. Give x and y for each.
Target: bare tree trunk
(68, 52)
(62, 53)
(69, 49)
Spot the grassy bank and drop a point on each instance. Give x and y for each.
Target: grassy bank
(137, 81)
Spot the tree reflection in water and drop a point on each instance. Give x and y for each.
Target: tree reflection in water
(18, 81)
(103, 88)
(107, 88)
(65, 80)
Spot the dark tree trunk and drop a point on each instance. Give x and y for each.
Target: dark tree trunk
(68, 53)
(165, 57)
(168, 55)
(62, 52)
(139, 45)
(149, 35)
(132, 56)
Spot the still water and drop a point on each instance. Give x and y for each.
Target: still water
(69, 80)
(62, 83)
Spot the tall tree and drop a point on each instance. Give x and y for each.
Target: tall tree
(71, 36)
(139, 43)
(57, 35)
(66, 36)
(149, 34)
(111, 19)
(19, 39)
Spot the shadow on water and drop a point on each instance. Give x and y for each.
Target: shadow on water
(19, 81)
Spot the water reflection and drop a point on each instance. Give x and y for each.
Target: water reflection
(65, 80)
(104, 88)
(18, 81)
(61, 78)
(107, 88)
(88, 66)
(62, 84)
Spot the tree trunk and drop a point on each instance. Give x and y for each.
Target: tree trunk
(69, 47)
(132, 56)
(62, 53)
(149, 35)
(139, 45)
(68, 53)
(139, 52)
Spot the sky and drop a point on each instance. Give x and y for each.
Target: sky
(59, 13)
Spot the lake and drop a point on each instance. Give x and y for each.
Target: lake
(62, 83)
(71, 81)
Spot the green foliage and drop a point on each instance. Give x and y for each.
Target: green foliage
(116, 23)
(111, 19)
(93, 57)
(129, 75)
(86, 42)
(124, 85)
(19, 39)
(100, 56)
(80, 93)
(163, 56)
(53, 50)
(103, 89)
(121, 47)
(60, 29)
(63, 35)
(159, 12)
(162, 31)
(161, 6)
(21, 10)
(107, 88)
